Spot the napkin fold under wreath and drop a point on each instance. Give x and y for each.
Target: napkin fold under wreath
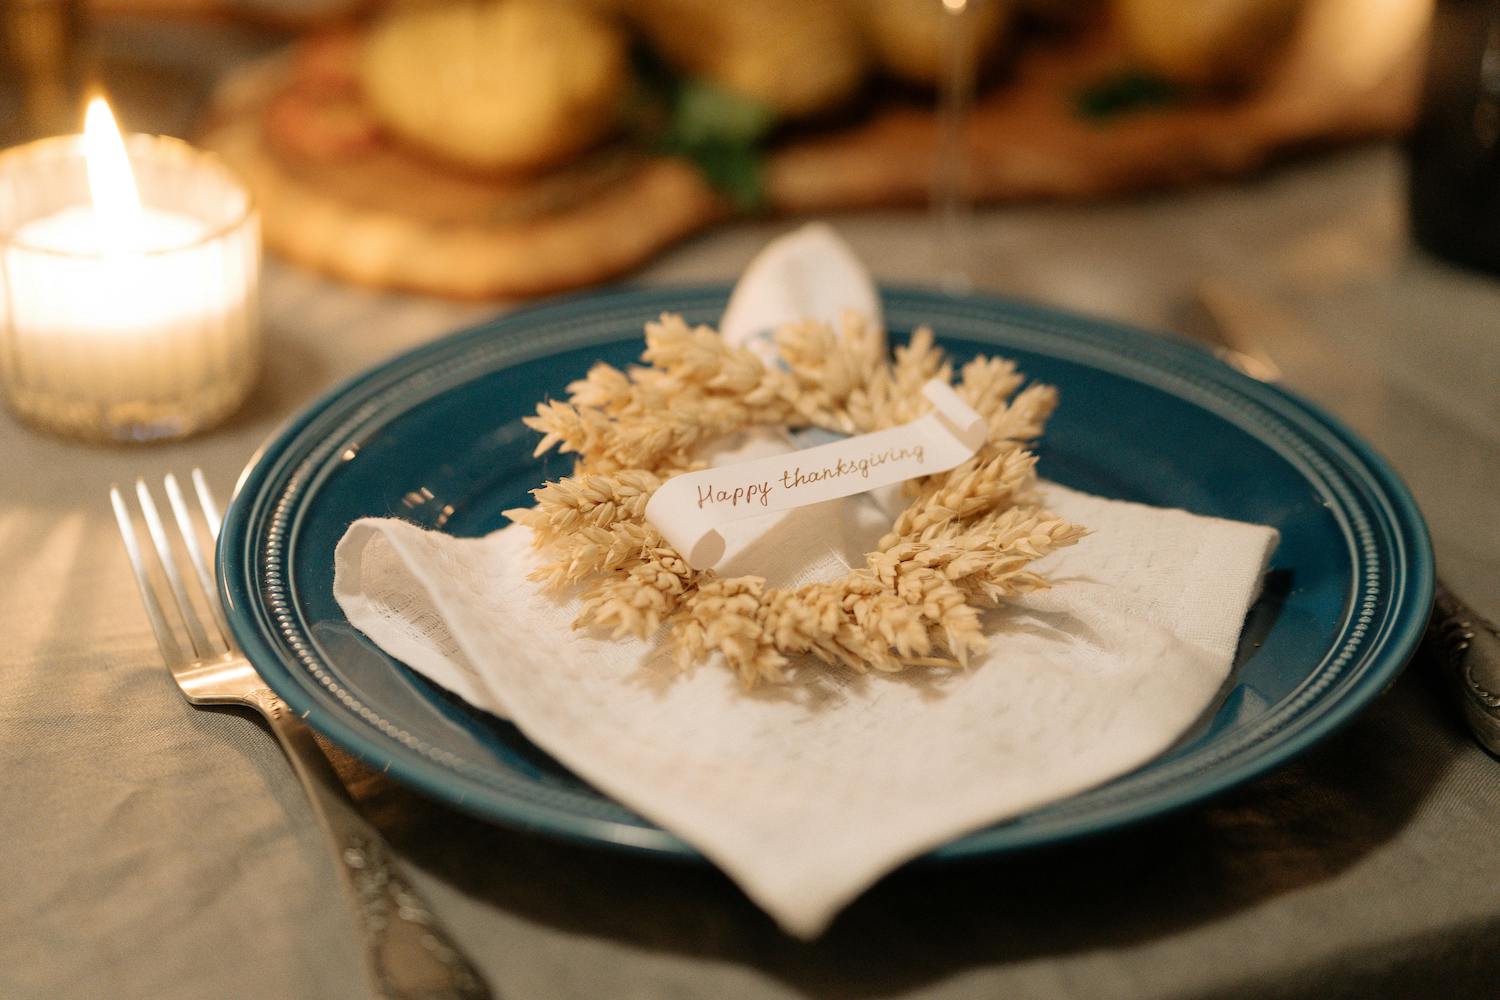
(806, 793)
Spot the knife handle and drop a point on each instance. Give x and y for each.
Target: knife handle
(1472, 647)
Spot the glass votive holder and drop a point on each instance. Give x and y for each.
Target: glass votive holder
(154, 340)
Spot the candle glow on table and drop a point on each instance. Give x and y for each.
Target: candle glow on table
(125, 317)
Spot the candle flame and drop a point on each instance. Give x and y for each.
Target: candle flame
(117, 203)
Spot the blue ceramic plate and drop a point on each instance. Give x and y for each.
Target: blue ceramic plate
(435, 436)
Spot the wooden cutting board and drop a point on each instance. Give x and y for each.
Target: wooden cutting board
(338, 196)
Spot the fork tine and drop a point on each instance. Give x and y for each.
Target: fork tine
(196, 635)
(189, 535)
(206, 501)
(170, 651)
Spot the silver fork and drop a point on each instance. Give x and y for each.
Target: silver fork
(408, 953)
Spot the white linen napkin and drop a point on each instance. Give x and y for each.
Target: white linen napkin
(805, 794)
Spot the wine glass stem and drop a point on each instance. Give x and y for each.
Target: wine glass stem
(951, 208)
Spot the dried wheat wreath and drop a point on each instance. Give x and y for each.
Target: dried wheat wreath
(963, 542)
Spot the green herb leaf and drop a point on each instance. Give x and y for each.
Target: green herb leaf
(735, 171)
(705, 114)
(1123, 93)
(721, 133)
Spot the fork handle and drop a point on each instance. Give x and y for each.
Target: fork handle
(409, 954)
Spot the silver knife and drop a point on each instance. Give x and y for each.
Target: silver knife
(1468, 646)
(1460, 640)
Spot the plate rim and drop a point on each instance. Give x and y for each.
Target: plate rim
(1383, 664)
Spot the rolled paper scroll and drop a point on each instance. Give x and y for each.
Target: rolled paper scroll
(689, 508)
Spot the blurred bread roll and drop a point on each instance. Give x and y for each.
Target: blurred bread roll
(1351, 45)
(910, 36)
(799, 57)
(1205, 42)
(498, 85)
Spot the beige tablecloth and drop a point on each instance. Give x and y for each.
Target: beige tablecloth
(148, 849)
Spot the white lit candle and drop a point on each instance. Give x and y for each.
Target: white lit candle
(125, 319)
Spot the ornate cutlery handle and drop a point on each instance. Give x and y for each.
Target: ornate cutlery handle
(1472, 646)
(409, 953)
